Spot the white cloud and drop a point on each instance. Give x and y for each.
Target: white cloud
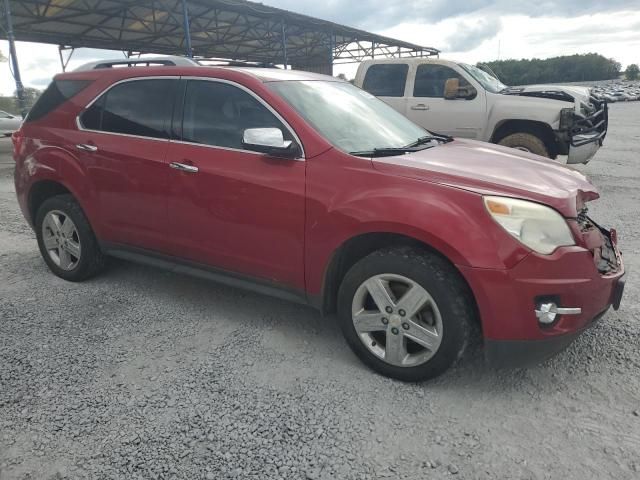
(468, 38)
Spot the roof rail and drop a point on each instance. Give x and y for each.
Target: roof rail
(226, 62)
(174, 61)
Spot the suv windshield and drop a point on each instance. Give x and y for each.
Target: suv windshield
(488, 81)
(351, 119)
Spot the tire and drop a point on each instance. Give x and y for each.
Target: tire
(85, 259)
(452, 317)
(527, 142)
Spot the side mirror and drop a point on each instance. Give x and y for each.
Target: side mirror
(453, 90)
(269, 141)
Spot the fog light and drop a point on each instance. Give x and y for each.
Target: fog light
(547, 312)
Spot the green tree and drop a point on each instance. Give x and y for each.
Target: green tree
(572, 68)
(30, 97)
(632, 72)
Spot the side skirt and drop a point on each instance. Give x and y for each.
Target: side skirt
(177, 265)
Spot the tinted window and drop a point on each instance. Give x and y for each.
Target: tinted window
(140, 107)
(218, 113)
(92, 117)
(386, 80)
(430, 80)
(58, 92)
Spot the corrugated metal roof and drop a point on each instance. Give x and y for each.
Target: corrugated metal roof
(234, 29)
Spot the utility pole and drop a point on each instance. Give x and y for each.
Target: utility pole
(13, 58)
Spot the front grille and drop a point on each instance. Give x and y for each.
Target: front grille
(592, 128)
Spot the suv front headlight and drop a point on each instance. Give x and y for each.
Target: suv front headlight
(540, 228)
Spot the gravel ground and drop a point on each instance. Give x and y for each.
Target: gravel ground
(143, 374)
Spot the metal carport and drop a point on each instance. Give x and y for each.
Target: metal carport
(232, 29)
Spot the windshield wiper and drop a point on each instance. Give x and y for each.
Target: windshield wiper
(430, 138)
(416, 146)
(386, 152)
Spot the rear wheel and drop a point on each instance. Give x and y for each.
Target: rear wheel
(66, 241)
(406, 313)
(526, 142)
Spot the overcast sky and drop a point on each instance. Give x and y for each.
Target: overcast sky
(467, 30)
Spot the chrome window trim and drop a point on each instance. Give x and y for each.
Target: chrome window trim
(105, 90)
(208, 79)
(260, 100)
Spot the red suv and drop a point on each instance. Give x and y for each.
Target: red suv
(306, 187)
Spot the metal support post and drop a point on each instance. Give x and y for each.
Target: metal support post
(331, 47)
(284, 46)
(187, 30)
(13, 58)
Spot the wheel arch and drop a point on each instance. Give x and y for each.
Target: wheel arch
(40, 191)
(540, 129)
(359, 246)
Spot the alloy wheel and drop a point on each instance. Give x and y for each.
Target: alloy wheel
(397, 320)
(61, 240)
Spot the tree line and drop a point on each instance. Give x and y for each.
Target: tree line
(571, 68)
(10, 104)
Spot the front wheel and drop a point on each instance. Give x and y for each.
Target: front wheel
(526, 142)
(406, 313)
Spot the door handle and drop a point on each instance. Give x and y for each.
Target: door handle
(183, 167)
(86, 147)
(420, 106)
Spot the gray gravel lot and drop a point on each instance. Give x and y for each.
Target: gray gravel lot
(143, 374)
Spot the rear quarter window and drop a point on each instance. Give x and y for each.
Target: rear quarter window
(58, 92)
(386, 80)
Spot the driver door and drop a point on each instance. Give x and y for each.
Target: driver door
(428, 108)
(234, 209)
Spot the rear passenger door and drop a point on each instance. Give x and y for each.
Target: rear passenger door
(122, 142)
(388, 81)
(428, 108)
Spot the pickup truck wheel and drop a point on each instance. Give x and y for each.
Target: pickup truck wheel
(526, 142)
(406, 313)
(66, 241)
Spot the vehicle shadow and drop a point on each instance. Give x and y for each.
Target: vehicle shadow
(301, 342)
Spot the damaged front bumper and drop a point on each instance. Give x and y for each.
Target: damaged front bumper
(585, 135)
(582, 281)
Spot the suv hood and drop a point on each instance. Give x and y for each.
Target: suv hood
(553, 92)
(489, 169)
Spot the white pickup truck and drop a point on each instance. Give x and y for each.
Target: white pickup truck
(463, 100)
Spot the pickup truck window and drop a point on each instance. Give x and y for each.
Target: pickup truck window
(430, 80)
(488, 81)
(349, 118)
(386, 80)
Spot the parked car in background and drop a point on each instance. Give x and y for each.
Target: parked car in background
(464, 101)
(306, 187)
(9, 123)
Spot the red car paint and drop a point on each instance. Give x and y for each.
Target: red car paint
(284, 220)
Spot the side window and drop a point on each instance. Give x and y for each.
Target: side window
(217, 114)
(386, 80)
(137, 107)
(430, 80)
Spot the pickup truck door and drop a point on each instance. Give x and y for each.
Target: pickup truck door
(427, 106)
